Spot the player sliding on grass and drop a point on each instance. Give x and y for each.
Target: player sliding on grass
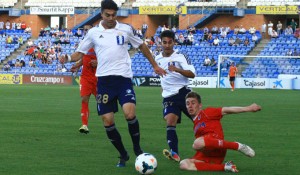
(209, 143)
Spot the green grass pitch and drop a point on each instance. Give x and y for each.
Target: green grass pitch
(39, 132)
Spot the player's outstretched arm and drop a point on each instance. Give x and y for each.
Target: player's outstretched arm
(145, 50)
(235, 110)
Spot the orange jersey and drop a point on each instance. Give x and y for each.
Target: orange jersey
(207, 122)
(232, 71)
(88, 72)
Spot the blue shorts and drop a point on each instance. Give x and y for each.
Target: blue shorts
(112, 89)
(176, 104)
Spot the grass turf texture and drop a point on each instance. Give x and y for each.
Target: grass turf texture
(39, 132)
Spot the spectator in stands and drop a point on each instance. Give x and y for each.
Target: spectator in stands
(279, 28)
(221, 28)
(242, 30)
(190, 39)
(144, 29)
(51, 57)
(236, 30)
(237, 41)
(27, 30)
(246, 42)
(252, 30)
(9, 40)
(174, 29)
(214, 30)
(15, 40)
(139, 32)
(42, 32)
(270, 28)
(213, 62)
(18, 25)
(13, 25)
(216, 41)
(223, 33)
(274, 34)
(23, 25)
(231, 41)
(210, 39)
(6, 67)
(78, 33)
(18, 63)
(205, 30)
(294, 25)
(288, 30)
(254, 38)
(7, 25)
(181, 39)
(22, 63)
(227, 29)
(1, 25)
(191, 29)
(31, 63)
(264, 29)
(205, 36)
(207, 61)
(158, 30)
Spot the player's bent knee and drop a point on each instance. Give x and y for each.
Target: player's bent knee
(198, 144)
(184, 165)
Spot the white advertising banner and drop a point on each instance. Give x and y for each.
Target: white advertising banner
(203, 82)
(52, 10)
(251, 83)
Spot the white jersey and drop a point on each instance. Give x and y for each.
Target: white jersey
(1, 24)
(111, 46)
(173, 81)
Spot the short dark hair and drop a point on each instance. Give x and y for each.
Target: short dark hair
(109, 4)
(168, 33)
(193, 95)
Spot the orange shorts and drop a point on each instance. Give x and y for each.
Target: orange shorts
(87, 88)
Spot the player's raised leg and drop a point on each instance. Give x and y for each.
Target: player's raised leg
(211, 142)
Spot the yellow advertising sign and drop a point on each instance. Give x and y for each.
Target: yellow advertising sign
(162, 10)
(11, 79)
(277, 10)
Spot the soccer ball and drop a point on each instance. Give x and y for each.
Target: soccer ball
(145, 163)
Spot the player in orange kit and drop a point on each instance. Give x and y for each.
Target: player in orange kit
(88, 85)
(209, 143)
(232, 74)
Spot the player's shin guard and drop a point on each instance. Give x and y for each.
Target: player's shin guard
(202, 166)
(115, 138)
(134, 131)
(84, 113)
(172, 138)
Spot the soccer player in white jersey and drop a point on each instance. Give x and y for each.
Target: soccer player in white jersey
(174, 86)
(110, 40)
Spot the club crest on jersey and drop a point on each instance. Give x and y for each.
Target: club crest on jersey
(128, 91)
(171, 63)
(120, 39)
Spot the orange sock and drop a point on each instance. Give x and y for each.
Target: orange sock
(202, 166)
(84, 113)
(218, 143)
